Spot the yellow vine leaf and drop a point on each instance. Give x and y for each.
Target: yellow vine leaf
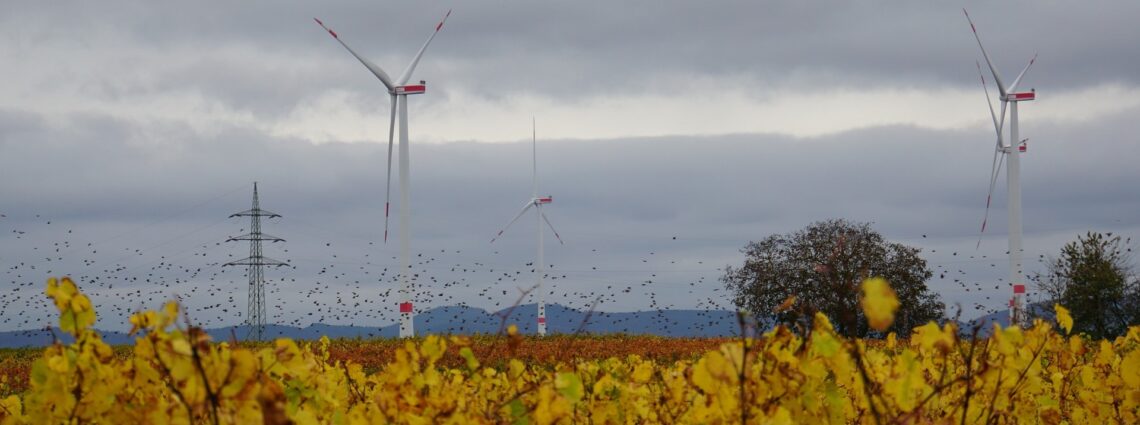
(1130, 371)
(75, 311)
(1063, 318)
(879, 303)
(177, 375)
(930, 337)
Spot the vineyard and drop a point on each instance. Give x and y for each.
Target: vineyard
(175, 374)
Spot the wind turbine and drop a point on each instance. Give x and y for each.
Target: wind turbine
(540, 217)
(1009, 96)
(399, 91)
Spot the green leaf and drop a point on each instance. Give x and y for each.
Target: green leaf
(569, 385)
(518, 412)
(472, 362)
(40, 371)
(68, 322)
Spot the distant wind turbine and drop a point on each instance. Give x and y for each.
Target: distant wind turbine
(399, 91)
(540, 217)
(1008, 95)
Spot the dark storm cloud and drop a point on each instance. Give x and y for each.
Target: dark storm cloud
(264, 56)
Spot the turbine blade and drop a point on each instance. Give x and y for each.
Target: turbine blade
(1016, 81)
(379, 73)
(997, 77)
(412, 66)
(989, 103)
(388, 192)
(513, 220)
(995, 171)
(547, 220)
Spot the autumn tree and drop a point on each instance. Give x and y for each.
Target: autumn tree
(821, 267)
(1093, 279)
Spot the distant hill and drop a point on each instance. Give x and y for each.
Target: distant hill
(462, 320)
(469, 321)
(1001, 317)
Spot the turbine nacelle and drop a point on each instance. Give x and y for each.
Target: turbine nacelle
(411, 89)
(544, 200)
(1021, 147)
(1020, 97)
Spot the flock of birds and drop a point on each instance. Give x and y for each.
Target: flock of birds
(353, 286)
(350, 281)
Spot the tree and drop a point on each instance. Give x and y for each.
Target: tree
(1093, 279)
(821, 267)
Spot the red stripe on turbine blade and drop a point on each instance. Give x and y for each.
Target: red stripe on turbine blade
(334, 34)
(441, 21)
(319, 22)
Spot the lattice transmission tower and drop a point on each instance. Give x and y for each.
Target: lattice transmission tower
(255, 317)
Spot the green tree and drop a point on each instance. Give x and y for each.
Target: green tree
(821, 267)
(1093, 279)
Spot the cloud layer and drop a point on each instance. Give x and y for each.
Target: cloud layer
(670, 134)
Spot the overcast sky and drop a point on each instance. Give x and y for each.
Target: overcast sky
(130, 130)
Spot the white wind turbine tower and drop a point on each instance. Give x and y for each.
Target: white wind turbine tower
(540, 217)
(1008, 95)
(399, 91)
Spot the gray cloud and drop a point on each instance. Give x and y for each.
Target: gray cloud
(618, 204)
(264, 56)
(152, 195)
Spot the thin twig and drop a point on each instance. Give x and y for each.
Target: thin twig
(506, 315)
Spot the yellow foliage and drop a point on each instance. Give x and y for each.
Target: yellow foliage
(1063, 318)
(177, 375)
(879, 303)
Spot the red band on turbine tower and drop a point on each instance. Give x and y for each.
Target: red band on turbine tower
(541, 320)
(405, 307)
(1018, 288)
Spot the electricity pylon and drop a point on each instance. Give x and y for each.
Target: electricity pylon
(255, 317)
